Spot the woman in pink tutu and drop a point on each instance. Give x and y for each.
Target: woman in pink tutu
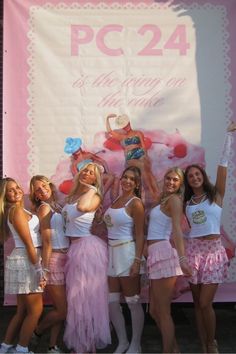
(166, 263)
(87, 321)
(204, 249)
(23, 270)
(55, 245)
(125, 224)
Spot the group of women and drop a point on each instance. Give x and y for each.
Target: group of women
(86, 279)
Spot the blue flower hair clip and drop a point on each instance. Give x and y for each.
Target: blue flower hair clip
(72, 145)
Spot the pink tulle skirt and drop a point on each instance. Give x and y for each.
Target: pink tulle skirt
(87, 322)
(163, 261)
(208, 260)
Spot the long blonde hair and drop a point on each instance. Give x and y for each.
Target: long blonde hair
(76, 184)
(4, 207)
(36, 202)
(180, 174)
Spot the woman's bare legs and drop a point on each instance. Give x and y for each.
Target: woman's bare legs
(162, 292)
(16, 321)
(203, 296)
(56, 316)
(33, 304)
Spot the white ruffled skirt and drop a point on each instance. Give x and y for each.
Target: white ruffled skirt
(19, 274)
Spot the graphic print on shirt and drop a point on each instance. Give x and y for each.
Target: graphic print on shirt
(199, 217)
(107, 219)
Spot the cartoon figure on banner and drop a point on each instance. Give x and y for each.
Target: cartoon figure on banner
(135, 147)
(78, 155)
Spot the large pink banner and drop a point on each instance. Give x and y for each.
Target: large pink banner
(169, 66)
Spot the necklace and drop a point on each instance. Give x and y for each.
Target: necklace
(197, 199)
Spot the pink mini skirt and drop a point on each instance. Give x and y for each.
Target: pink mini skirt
(57, 269)
(163, 261)
(208, 260)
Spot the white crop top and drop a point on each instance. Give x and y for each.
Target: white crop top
(120, 225)
(77, 223)
(34, 232)
(58, 239)
(160, 225)
(204, 219)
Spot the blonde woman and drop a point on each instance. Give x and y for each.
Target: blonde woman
(166, 263)
(23, 270)
(87, 321)
(55, 245)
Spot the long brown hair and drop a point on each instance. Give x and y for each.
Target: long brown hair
(208, 187)
(137, 178)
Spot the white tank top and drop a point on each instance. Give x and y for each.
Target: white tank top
(34, 232)
(77, 223)
(58, 239)
(120, 225)
(160, 225)
(204, 219)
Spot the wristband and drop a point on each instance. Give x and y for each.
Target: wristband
(225, 154)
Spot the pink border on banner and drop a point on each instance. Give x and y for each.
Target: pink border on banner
(16, 80)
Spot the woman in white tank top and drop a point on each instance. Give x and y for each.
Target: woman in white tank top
(23, 270)
(165, 262)
(87, 320)
(43, 196)
(204, 250)
(125, 224)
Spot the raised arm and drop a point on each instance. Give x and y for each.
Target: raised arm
(111, 132)
(138, 216)
(89, 201)
(223, 162)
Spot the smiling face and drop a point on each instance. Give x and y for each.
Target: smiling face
(87, 175)
(42, 190)
(172, 183)
(14, 193)
(195, 178)
(129, 181)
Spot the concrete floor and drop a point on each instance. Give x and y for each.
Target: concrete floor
(186, 334)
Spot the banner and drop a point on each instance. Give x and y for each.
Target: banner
(165, 68)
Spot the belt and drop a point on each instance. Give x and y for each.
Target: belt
(121, 243)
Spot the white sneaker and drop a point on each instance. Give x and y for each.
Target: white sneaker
(13, 350)
(4, 349)
(55, 349)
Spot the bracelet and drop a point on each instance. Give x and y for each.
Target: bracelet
(137, 262)
(138, 259)
(182, 259)
(46, 270)
(99, 222)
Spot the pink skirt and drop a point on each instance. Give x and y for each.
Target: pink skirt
(57, 269)
(208, 260)
(163, 261)
(87, 323)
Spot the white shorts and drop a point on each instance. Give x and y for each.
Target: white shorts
(121, 257)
